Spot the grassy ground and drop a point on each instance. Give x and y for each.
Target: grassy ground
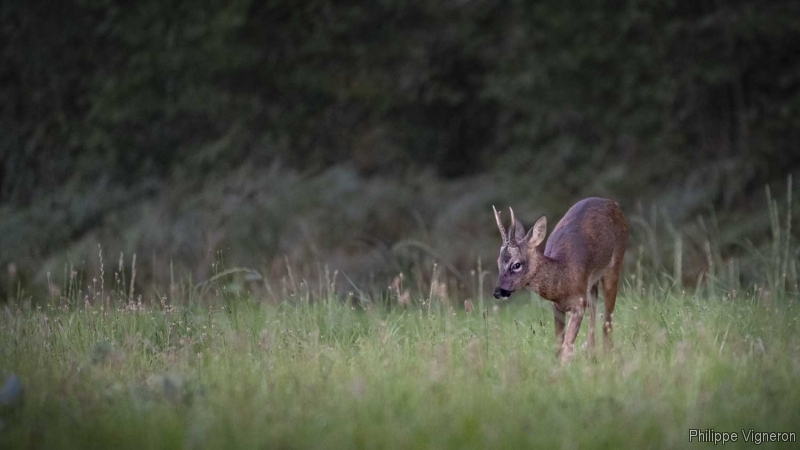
(326, 375)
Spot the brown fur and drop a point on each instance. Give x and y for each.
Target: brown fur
(585, 250)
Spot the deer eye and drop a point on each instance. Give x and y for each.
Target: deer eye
(516, 266)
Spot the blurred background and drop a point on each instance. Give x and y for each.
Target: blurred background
(372, 138)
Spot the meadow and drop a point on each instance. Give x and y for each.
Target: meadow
(176, 181)
(234, 371)
(243, 361)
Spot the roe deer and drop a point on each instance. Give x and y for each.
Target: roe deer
(585, 249)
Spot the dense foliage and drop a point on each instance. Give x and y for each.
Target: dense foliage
(107, 106)
(98, 87)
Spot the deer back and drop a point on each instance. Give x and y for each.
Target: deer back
(590, 236)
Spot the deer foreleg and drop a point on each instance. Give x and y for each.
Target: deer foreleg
(559, 321)
(575, 318)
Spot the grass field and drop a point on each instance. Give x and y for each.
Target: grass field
(249, 374)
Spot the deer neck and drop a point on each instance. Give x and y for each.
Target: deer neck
(547, 278)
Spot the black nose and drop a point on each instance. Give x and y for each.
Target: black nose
(501, 293)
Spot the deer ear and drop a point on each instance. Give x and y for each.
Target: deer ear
(537, 232)
(518, 232)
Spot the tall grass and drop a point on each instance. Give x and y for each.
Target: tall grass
(369, 228)
(251, 374)
(707, 259)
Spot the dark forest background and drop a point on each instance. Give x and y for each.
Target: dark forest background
(373, 137)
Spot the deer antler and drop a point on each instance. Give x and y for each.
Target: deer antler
(513, 230)
(500, 226)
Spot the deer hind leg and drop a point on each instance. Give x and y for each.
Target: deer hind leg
(592, 297)
(559, 317)
(575, 317)
(610, 298)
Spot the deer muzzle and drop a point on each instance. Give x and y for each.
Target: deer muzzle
(500, 293)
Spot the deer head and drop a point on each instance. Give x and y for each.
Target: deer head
(518, 258)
